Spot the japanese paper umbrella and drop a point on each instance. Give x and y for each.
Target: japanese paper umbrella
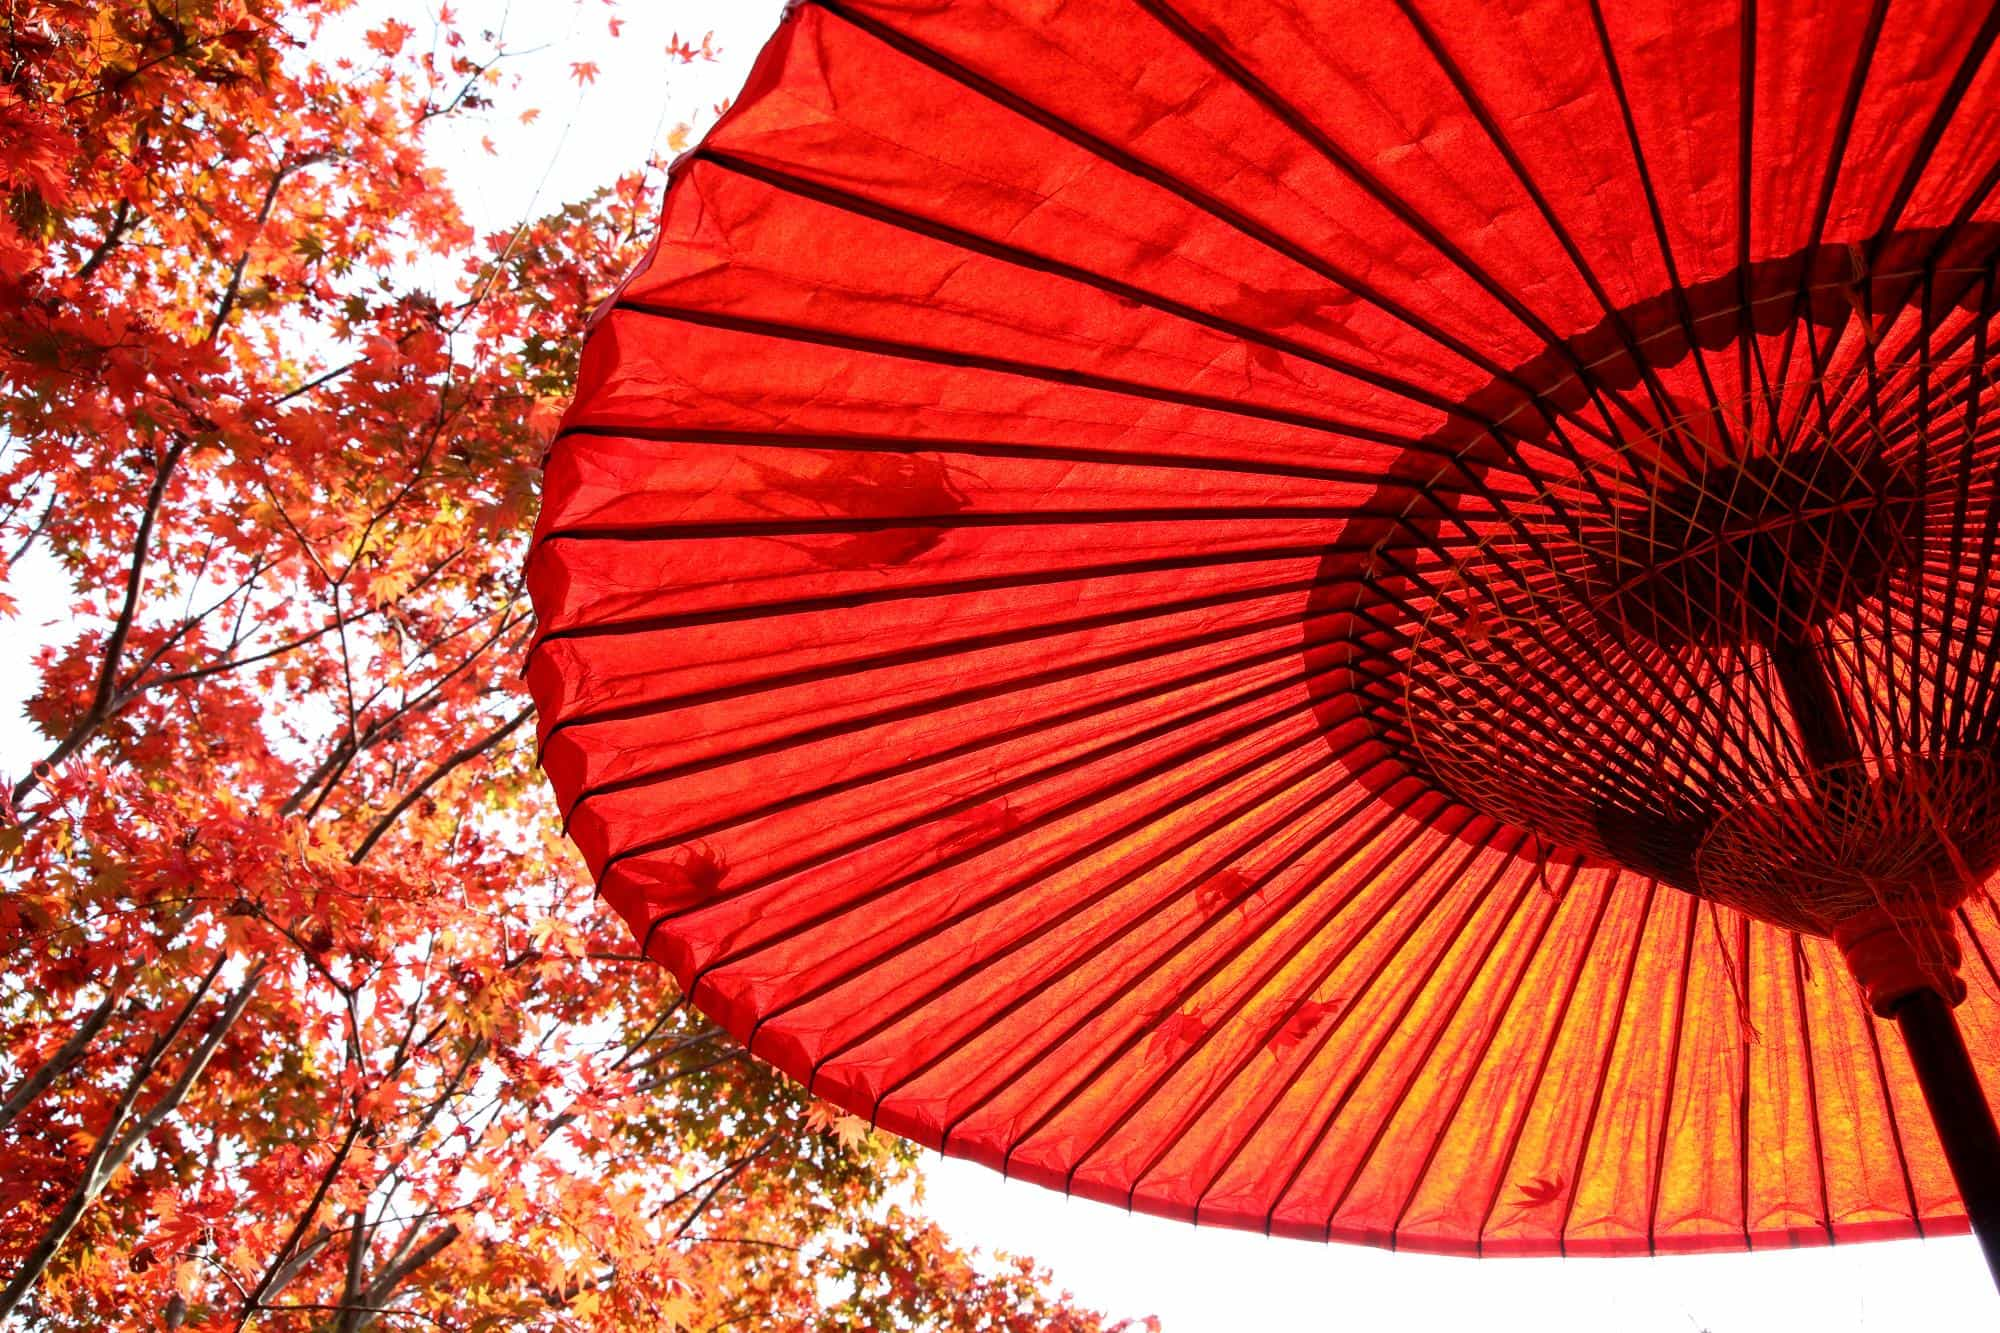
(1372, 621)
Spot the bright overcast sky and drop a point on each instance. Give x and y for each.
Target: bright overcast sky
(1196, 1281)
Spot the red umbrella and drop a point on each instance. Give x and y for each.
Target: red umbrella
(1371, 621)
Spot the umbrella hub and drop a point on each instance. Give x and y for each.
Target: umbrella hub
(1759, 550)
(1908, 837)
(1733, 674)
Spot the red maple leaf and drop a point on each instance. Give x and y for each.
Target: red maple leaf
(1302, 1024)
(1220, 887)
(699, 869)
(1180, 1031)
(389, 38)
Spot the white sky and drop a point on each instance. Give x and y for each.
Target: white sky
(1196, 1281)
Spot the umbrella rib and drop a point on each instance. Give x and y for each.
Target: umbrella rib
(1445, 883)
(1978, 944)
(1272, 1031)
(1746, 102)
(1830, 178)
(920, 818)
(1920, 659)
(1974, 199)
(916, 224)
(1927, 142)
(1195, 198)
(1246, 1134)
(1747, 1035)
(1812, 1082)
(1950, 393)
(1940, 652)
(1862, 414)
(1105, 1064)
(1854, 413)
(1074, 805)
(1035, 878)
(1470, 974)
(1044, 925)
(1901, 426)
(1660, 239)
(1604, 1069)
(967, 645)
(1941, 118)
(1817, 402)
(807, 526)
(1247, 994)
(1895, 1124)
(854, 600)
(1385, 815)
(1626, 701)
(1039, 453)
(937, 704)
(1289, 116)
(1342, 856)
(1623, 699)
(1416, 1178)
(1662, 403)
(1440, 599)
(1887, 655)
(1990, 530)
(1028, 727)
(1693, 907)
(1021, 730)
(1512, 1139)
(1077, 379)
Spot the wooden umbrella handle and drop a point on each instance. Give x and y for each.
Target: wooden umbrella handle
(1959, 1109)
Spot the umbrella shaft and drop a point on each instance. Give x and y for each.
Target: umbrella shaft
(1959, 1109)
(1809, 692)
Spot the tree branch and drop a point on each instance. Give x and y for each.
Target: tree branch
(58, 1064)
(458, 757)
(266, 1283)
(122, 219)
(227, 305)
(384, 1286)
(121, 628)
(110, 1150)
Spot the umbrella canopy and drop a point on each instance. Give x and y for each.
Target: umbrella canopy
(1371, 621)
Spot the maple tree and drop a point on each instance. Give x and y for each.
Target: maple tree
(310, 1018)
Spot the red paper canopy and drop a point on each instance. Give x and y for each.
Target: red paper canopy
(1020, 579)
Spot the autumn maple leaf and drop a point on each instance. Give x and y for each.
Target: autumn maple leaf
(583, 71)
(1180, 1031)
(850, 1131)
(1302, 1024)
(977, 825)
(699, 869)
(389, 38)
(1220, 888)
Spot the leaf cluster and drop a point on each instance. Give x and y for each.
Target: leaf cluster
(308, 1017)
